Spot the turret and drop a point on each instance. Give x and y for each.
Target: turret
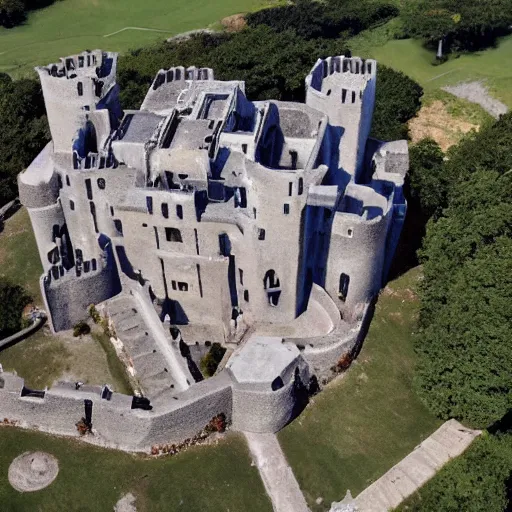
(344, 89)
(81, 98)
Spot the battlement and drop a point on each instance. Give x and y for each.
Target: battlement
(181, 74)
(93, 64)
(348, 74)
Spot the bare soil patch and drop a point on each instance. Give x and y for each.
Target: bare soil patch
(434, 121)
(234, 23)
(33, 471)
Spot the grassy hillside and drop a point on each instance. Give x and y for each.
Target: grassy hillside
(363, 423)
(409, 56)
(70, 26)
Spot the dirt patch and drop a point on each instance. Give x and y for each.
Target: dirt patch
(435, 122)
(476, 92)
(33, 471)
(126, 504)
(234, 23)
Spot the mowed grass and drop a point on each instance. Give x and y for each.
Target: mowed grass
(366, 421)
(206, 478)
(44, 358)
(409, 56)
(70, 26)
(19, 257)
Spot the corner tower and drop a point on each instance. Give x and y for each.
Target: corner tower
(344, 89)
(76, 90)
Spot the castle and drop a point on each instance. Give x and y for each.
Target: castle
(266, 226)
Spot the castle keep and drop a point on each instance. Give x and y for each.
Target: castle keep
(267, 226)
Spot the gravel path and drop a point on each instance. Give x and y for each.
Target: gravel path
(277, 476)
(476, 92)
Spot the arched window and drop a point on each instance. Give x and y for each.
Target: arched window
(343, 289)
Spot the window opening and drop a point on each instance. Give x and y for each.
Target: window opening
(343, 288)
(286, 208)
(173, 235)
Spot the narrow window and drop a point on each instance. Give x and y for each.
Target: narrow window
(254, 212)
(80, 88)
(182, 287)
(244, 148)
(343, 95)
(343, 289)
(240, 197)
(294, 157)
(101, 183)
(241, 272)
(93, 264)
(87, 187)
(290, 188)
(173, 235)
(112, 211)
(149, 204)
(246, 295)
(165, 210)
(261, 234)
(286, 209)
(59, 181)
(173, 284)
(353, 96)
(119, 226)
(81, 61)
(93, 213)
(68, 183)
(179, 211)
(301, 186)
(71, 204)
(224, 244)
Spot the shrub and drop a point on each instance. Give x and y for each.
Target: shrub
(81, 328)
(13, 299)
(211, 360)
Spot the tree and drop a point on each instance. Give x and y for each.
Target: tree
(470, 25)
(12, 301)
(475, 481)
(397, 99)
(465, 341)
(24, 130)
(427, 179)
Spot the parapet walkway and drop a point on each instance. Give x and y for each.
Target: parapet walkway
(402, 480)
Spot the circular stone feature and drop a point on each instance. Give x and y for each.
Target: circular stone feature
(33, 471)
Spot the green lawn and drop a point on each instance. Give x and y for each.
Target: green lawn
(19, 257)
(362, 424)
(207, 478)
(70, 26)
(409, 56)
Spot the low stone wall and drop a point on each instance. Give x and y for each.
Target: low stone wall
(115, 424)
(24, 333)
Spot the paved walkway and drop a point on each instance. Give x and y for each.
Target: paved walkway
(402, 480)
(277, 476)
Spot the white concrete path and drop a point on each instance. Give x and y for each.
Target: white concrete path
(277, 476)
(402, 480)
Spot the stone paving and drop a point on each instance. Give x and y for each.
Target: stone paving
(406, 477)
(277, 476)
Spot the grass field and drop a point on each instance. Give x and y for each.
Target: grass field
(365, 422)
(409, 56)
(44, 358)
(207, 478)
(70, 26)
(19, 257)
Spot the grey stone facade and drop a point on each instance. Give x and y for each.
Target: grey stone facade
(232, 221)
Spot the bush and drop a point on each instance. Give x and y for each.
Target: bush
(397, 99)
(475, 481)
(211, 360)
(13, 299)
(81, 328)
